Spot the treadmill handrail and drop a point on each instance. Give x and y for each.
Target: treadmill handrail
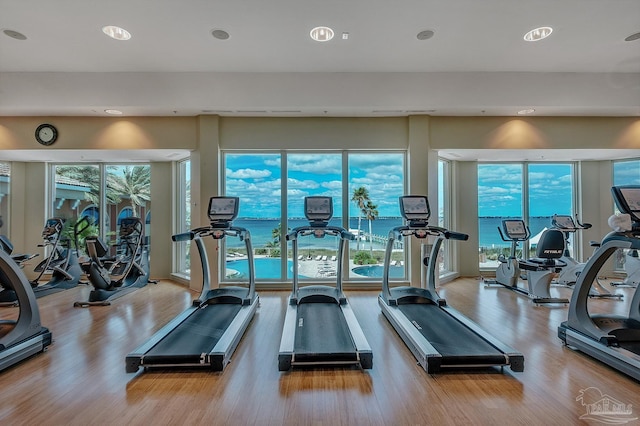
(400, 232)
(340, 232)
(197, 234)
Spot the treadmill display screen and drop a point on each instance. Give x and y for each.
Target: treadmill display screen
(632, 197)
(318, 208)
(514, 228)
(223, 209)
(627, 199)
(564, 222)
(415, 207)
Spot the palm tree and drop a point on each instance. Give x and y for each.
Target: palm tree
(134, 184)
(90, 176)
(275, 233)
(360, 197)
(371, 213)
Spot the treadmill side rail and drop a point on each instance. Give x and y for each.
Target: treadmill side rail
(221, 354)
(428, 357)
(619, 358)
(359, 340)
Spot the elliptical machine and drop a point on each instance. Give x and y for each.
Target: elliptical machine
(569, 274)
(8, 296)
(540, 269)
(61, 263)
(24, 337)
(114, 277)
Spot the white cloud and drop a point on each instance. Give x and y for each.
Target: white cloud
(248, 174)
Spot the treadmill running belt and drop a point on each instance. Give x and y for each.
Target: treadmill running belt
(322, 332)
(197, 334)
(631, 347)
(446, 334)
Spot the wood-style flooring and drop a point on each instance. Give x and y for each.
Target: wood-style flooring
(81, 379)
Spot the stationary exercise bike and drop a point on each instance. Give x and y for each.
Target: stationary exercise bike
(540, 269)
(61, 263)
(508, 272)
(569, 274)
(113, 277)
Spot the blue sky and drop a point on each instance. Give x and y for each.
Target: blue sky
(500, 189)
(256, 179)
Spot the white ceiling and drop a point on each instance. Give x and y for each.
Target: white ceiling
(477, 63)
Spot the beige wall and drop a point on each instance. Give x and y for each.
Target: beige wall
(101, 133)
(535, 133)
(205, 136)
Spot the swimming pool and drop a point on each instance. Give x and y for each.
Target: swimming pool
(375, 271)
(269, 268)
(266, 268)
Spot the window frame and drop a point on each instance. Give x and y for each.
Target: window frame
(284, 214)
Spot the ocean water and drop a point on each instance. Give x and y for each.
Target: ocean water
(261, 231)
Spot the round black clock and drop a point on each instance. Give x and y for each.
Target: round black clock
(46, 134)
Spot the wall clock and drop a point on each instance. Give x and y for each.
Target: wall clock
(46, 134)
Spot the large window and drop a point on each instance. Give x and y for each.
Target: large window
(256, 179)
(444, 210)
(183, 217)
(5, 178)
(530, 191)
(625, 172)
(364, 186)
(549, 192)
(499, 197)
(104, 193)
(376, 181)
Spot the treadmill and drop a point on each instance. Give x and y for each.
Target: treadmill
(206, 334)
(438, 336)
(25, 337)
(320, 327)
(612, 339)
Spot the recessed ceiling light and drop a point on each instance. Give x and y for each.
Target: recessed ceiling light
(14, 34)
(633, 37)
(538, 34)
(113, 111)
(220, 34)
(321, 33)
(116, 33)
(425, 35)
(526, 111)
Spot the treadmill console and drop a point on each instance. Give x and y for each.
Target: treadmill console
(627, 199)
(223, 210)
(415, 209)
(515, 229)
(563, 222)
(318, 210)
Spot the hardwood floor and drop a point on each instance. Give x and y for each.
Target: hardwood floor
(81, 379)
